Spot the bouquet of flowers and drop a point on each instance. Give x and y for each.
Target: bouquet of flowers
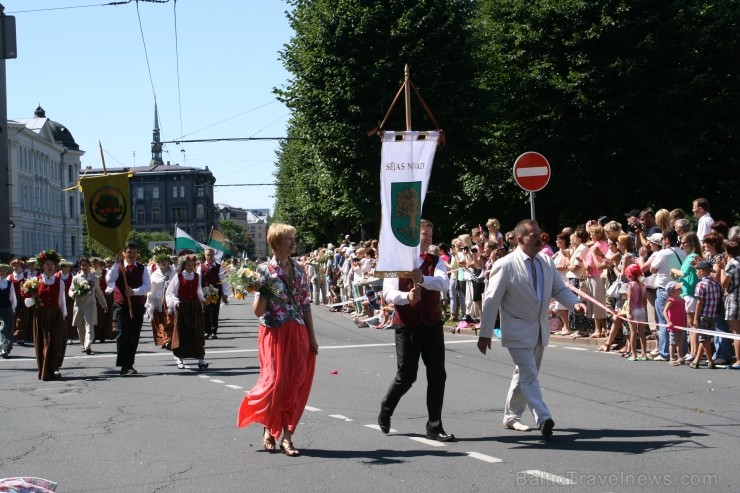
(212, 295)
(81, 288)
(244, 281)
(30, 290)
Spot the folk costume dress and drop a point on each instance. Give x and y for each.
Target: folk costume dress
(8, 302)
(49, 331)
(185, 298)
(156, 307)
(104, 327)
(287, 364)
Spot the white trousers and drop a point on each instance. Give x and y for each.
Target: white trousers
(525, 387)
(86, 332)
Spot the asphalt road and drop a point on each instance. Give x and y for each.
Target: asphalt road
(620, 425)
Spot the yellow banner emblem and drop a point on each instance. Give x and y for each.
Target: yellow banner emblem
(107, 208)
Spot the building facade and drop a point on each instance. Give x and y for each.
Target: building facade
(44, 164)
(254, 221)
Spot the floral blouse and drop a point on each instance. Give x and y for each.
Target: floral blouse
(280, 310)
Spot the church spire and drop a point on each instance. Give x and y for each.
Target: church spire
(156, 142)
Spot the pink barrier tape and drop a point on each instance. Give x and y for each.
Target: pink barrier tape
(713, 333)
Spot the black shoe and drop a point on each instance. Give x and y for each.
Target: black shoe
(57, 375)
(88, 351)
(208, 336)
(546, 428)
(385, 423)
(440, 435)
(168, 346)
(214, 336)
(164, 346)
(132, 371)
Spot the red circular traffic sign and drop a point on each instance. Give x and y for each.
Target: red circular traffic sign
(532, 171)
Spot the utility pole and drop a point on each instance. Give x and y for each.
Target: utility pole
(7, 50)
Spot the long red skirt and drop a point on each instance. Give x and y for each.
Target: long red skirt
(287, 366)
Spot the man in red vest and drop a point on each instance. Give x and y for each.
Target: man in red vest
(419, 332)
(131, 293)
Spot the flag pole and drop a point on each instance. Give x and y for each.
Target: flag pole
(407, 96)
(102, 157)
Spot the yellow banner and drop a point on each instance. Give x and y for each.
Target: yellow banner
(108, 209)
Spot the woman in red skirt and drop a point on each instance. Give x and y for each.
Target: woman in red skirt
(185, 298)
(49, 312)
(287, 345)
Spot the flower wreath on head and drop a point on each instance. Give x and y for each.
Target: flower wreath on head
(64, 262)
(162, 256)
(161, 250)
(48, 255)
(185, 258)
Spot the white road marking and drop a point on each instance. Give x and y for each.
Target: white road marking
(484, 457)
(376, 427)
(203, 376)
(549, 477)
(427, 441)
(576, 348)
(234, 387)
(217, 381)
(314, 409)
(533, 171)
(339, 416)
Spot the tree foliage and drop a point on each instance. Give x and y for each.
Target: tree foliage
(633, 102)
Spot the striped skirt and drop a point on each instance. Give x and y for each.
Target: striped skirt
(188, 338)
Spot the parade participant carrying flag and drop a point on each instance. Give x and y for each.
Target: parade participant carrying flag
(406, 165)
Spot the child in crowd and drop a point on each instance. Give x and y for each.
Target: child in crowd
(675, 316)
(708, 295)
(636, 311)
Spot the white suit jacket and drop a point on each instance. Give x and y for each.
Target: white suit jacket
(85, 309)
(524, 318)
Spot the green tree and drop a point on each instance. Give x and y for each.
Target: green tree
(347, 59)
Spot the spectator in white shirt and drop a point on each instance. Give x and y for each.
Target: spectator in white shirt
(700, 208)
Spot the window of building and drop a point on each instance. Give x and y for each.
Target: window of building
(200, 191)
(174, 191)
(178, 213)
(140, 215)
(74, 245)
(182, 191)
(201, 235)
(140, 193)
(200, 211)
(155, 214)
(155, 192)
(71, 174)
(71, 207)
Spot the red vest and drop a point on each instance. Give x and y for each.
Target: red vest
(210, 275)
(67, 284)
(101, 280)
(49, 295)
(135, 278)
(428, 311)
(188, 289)
(17, 287)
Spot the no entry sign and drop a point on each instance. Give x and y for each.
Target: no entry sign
(532, 171)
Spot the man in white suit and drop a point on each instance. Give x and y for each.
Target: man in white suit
(521, 286)
(85, 314)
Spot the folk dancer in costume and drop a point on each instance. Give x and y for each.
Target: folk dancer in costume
(104, 327)
(65, 269)
(211, 274)
(128, 304)
(419, 333)
(8, 303)
(23, 315)
(85, 290)
(185, 298)
(287, 345)
(49, 307)
(156, 308)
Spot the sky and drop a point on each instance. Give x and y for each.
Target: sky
(86, 65)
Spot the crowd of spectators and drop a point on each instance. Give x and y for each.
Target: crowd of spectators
(622, 270)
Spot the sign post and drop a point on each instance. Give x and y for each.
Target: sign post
(532, 173)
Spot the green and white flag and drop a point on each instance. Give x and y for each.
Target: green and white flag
(405, 167)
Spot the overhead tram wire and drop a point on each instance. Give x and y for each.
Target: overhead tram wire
(229, 139)
(177, 64)
(109, 4)
(146, 54)
(229, 118)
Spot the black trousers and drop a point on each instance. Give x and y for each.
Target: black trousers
(129, 330)
(429, 344)
(210, 312)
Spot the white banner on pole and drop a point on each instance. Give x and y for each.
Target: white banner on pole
(405, 167)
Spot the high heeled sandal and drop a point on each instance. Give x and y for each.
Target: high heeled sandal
(268, 441)
(286, 447)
